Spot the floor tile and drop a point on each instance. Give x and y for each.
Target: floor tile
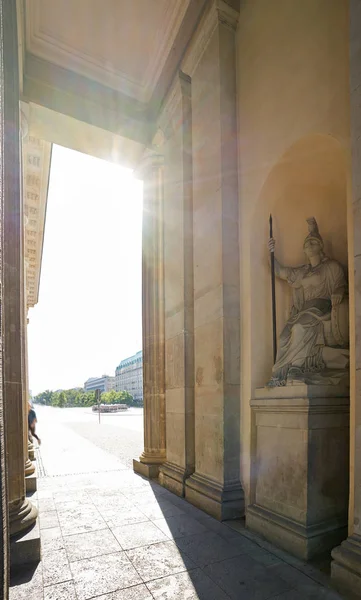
(179, 526)
(138, 592)
(116, 517)
(242, 578)
(193, 585)
(80, 520)
(60, 591)
(160, 510)
(290, 575)
(207, 548)
(140, 534)
(28, 584)
(51, 539)
(48, 519)
(104, 574)
(311, 592)
(159, 560)
(91, 544)
(56, 568)
(46, 505)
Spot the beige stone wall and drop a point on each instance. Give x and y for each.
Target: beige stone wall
(293, 126)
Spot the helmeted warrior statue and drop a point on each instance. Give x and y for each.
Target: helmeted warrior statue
(313, 346)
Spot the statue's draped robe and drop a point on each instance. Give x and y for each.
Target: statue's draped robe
(302, 340)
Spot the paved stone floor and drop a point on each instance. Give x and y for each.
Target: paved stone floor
(111, 535)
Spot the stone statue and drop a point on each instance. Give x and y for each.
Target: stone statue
(313, 346)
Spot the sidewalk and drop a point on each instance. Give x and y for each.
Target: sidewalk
(111, 535)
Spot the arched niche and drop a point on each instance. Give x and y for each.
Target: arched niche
(309, 180)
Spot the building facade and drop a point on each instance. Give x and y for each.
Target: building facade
(238, 110)
(105, 383)
(129, 376)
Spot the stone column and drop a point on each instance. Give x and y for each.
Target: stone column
(211, 63)
(176, 123)
(22, 514)
(151, 171)
(346, 565)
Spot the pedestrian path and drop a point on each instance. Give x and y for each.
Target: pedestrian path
(108, 534)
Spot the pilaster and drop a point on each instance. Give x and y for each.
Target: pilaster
(211, 63)
(346, 565)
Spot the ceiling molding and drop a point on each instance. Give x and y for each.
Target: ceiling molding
(44, 45)
(219, 13)
(76, 96)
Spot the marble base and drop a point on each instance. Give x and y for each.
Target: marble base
(300, 457)
(149, 471)
(300, 540)
(173, 477)
(346, 567)
(22, 517)
(29, 467)
(221, 502)
(25, 547)
(31, 483)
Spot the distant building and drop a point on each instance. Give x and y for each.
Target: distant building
(105, 383)
(129, 376)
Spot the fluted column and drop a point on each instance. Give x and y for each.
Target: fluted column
(22, 513)
(175, 122)
(154, 453)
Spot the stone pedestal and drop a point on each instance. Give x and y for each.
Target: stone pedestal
(154, 453)
(300, 468)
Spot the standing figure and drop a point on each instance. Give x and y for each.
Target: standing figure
(32, 421)
(313, 344)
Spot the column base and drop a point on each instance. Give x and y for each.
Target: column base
(222, 502)
(22, 516)
(346, 566)
(173, 478)
(25, 547)
(29, 468)
(150, 471)
(31, 450)
(31, 482)
(302, 541)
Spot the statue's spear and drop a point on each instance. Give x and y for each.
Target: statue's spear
(273, 293)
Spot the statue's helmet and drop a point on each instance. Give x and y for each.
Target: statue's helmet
(313, 234)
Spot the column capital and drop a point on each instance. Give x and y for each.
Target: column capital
(152, 159)
(180, 90)
(219, 13)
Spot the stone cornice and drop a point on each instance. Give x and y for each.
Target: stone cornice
(181, 88)
(36, 168)
(219, 13)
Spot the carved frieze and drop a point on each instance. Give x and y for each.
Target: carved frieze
(36, 168)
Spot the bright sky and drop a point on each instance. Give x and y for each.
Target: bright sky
(88, 317)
